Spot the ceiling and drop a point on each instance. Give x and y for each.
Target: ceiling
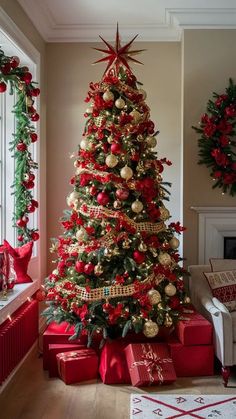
(153, 20)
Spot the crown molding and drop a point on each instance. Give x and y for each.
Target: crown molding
(175, 20)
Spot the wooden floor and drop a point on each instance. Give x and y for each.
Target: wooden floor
(32, 395)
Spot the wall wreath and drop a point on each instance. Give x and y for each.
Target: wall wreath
(217, 142)
(19, 80)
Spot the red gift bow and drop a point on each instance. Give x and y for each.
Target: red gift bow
(152, 362)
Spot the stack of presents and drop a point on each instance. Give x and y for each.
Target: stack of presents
(187, 352)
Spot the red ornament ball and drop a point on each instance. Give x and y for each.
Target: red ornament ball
(30, 208)
(35, 203)
(116, 148)
(21, 223)
(21, 146)
(103, 198)
(79, 266)
(34, 117)
(3, 87)
(122, 194)
(89, 268)
(33, 137)
(27, 77)
(138, 256)
(35, 92)
(20, 238)
(14, 62)
(35, 236)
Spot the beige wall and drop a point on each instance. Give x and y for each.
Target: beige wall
(15, 12)
(69, 72)
(209, 59)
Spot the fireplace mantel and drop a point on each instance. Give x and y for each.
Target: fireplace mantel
(214, 223)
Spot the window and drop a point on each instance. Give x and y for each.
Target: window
(7, 129)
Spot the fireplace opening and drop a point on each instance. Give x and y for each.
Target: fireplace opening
(229, 247)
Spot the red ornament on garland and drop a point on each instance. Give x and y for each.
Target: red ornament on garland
(35, 203)
(35, 236)
(30, 208)
(21, 146)
(103, 198)
(21, 223)
(138, 256)
(35, 92)
(35, 117)
(33, 137)
(20, 238)
(14, 62)
(3, 87)
(27, 77)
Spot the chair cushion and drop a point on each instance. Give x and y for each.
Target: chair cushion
(223, 286)
(222, 264)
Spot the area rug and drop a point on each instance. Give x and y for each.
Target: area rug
(173, 406)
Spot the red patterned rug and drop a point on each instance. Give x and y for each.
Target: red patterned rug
(153, 406)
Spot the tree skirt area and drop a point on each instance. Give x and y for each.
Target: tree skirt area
(150, 406)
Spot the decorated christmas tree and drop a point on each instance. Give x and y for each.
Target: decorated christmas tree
(118, 264)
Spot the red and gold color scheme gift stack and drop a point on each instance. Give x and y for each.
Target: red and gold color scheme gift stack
(76, 366)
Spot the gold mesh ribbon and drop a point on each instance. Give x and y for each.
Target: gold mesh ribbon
(105, 241)
(100, 212)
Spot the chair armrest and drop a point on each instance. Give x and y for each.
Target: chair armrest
(221, 320)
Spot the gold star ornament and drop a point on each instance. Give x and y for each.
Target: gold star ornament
(118, 56)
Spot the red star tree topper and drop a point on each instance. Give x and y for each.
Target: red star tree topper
(118, 262)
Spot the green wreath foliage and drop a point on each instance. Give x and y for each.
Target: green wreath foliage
(19, 81)
(217, 130)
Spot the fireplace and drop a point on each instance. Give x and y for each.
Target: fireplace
(229, 247)
(216, 233)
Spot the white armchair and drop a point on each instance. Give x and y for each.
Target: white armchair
(224, 322)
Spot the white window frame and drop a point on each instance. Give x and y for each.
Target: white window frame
(14, 42)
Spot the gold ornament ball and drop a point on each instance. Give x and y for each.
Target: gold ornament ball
(126, 173)
(150, 329)
(174, 243)
(98, 270)
(151, 141)
(143, 93)
(111, 160)
(170, 290)
(137, 206)
(108, 96)
(84, 144)
(89, 110)
(126, 244)
(117, 204)
(136, 116)
(154, 296)
(29, 101)
(55, 272)
(164, 259)
(164, 213)
(120, 103)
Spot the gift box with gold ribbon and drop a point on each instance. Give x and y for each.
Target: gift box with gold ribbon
(77, 366)
(149, 364)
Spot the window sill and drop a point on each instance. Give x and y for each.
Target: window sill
(16, 298)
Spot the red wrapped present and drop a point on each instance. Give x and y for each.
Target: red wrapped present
(58, 333)
(55, 349)
(113, 367)
(192, 361)
(149, 364)
(77, 366)
(194, 330)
